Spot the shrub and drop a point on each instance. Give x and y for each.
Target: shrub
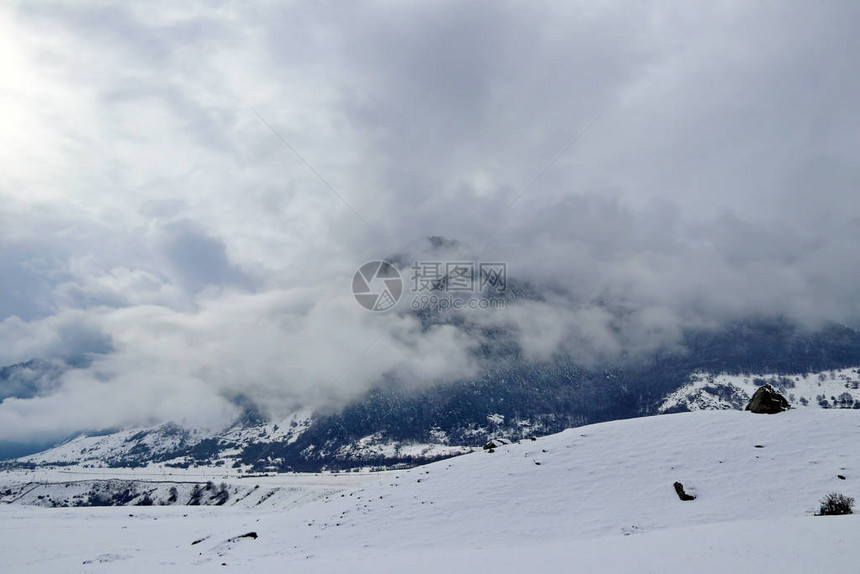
(836, 503)
(196, 493)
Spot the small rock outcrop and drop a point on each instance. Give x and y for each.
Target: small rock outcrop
(679, 488)
(495, 443)
(251, 535)
(767, 400)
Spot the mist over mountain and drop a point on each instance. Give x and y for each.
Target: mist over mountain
(398, 422)
(656, 179)
(436, 285)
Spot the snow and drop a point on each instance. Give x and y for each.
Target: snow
(287, 430)
(98, 449)
(45, 486)
(376, 446)
(709, 391)
(105, 449)
(592, 499)
(142, 444)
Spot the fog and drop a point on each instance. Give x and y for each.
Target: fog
(188, 191)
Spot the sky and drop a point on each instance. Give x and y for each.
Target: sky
(187, 190)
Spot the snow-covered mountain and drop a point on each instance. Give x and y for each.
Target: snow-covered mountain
(171, 446)
(838, 388)
(598, 498)
(395, 426)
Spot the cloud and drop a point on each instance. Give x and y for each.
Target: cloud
(157, 235)
(198, 258)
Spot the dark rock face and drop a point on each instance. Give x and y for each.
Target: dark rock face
(679, 488)
(767, 400)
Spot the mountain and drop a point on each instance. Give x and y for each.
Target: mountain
(392, 427)
(598, 498)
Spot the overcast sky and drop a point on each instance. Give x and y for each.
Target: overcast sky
(154, 225)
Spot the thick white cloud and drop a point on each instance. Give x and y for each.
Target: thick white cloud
(153, 226)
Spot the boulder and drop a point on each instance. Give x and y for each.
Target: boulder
(495, 443)
(767, 400)
(679, 489)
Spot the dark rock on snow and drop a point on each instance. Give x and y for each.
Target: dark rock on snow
(767, 400)
(679, 488)
(252, 535)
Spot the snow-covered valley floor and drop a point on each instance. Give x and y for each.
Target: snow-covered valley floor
(591, 499)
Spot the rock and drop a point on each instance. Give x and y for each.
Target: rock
(767, 400)
(251, 535)
(495, 443)
(679, 488)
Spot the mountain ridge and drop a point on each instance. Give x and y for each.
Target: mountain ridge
(393, 427)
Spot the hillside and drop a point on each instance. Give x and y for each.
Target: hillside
(396, 426)
(595, 498)
(263, 446)
(835, 389)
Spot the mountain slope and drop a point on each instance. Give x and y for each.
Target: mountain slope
(595, 498)
(395, 426)
(826, 389)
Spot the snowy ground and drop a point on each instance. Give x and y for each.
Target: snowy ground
(591, 499)
(70, 486)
